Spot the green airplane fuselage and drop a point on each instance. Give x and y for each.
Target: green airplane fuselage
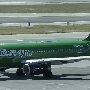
(11, 54)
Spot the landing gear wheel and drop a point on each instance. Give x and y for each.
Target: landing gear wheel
(19, 72)
(48, 74)
(3, 69)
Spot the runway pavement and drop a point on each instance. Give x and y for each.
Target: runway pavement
(26, 2)
(43, 17)
(72, 76)
(77, 35)
(58, 19)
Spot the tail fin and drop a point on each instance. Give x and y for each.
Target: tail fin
(87, 39)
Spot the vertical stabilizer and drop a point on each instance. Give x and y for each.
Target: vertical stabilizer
(87, 39)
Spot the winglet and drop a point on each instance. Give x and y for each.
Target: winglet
(87, 39)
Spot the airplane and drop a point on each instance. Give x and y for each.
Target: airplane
(36, 57)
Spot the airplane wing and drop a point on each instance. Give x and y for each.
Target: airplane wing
(57, 61)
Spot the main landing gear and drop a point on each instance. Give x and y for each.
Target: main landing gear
(47, 74)
(35, 69)
(3, 69)
(19, 72)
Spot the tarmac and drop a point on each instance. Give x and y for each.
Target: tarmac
(64, 77)
(33, 2)
(22, 19)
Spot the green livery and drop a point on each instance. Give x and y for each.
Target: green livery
(31, 55)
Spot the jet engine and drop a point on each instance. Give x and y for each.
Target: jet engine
(36, 69)
(26, 69)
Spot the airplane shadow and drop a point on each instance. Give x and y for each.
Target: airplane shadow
(13, 76)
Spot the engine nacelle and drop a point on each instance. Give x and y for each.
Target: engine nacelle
(26, 69)
(35, 69)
